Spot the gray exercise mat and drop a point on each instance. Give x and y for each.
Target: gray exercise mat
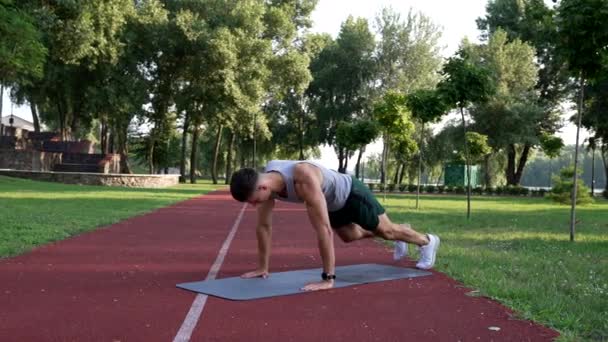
(285, 283)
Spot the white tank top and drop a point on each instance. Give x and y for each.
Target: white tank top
(336, 186)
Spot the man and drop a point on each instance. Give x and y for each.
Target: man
(334, 201)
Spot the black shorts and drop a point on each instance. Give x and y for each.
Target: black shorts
(361, 207)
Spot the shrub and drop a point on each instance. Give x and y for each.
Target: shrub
(542, 192)
(391, 187)
(459, 189)
(490, 191)
(371, 186)
(478, 190)
(430, 188)
(499, 190)
(562, 188)
(449, 189)
(441, 189)
(402, 187)
(605, 193)
(412, 187)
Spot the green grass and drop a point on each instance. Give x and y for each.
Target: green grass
(517, 251)
(34, 213)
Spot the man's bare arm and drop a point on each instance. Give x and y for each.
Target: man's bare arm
(264, 233)
(308, 187)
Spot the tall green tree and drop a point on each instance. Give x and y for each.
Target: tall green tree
(22, 53)
(407, 57)
(427, 106)
(394, 118)
(584, 37)
(595, 117)
(342, 74)
(512, 117)
(532, 22)
(465, 82)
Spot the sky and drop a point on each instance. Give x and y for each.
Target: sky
(457, 19)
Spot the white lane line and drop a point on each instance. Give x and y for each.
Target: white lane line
(185, 331)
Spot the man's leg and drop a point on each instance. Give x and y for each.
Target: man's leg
(399, 232)
(428, 243)
(353, 232)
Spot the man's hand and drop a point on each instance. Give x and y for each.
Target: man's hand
(322, 285)
(255, 274)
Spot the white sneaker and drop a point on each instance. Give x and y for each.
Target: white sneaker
(428, 253)
(400, 250)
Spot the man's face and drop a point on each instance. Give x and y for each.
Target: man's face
(261, 194)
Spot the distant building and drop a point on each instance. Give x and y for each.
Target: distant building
(17, 128)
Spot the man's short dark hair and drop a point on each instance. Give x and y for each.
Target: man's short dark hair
(242, 184)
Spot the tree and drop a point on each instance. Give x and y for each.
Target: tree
(22, 53)
(564, 186)
(478, 146)
(551, 145)
(407, 56)
(464, 83)
(532, 22)
(512, 117)
(342, 72)
(394, 119)
(584, 37)
(356, 135)
(594, 116)
(426, 106)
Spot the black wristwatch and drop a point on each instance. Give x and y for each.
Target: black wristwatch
(326, 276)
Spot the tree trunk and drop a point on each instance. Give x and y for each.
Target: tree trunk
(216, 152)
(575, 177)
(440, 175)
(229, 157)
(358, 166)
(593, 172)
(182, 162)
(604, 151)
(1, 97)
(151, 142)
(123, 150)
(340, 159)
(346, 158)
(402, 173)
(466, 156)
(384, 169)
(523, 159)
(35, 117)
(104, 137)
(61, 121)
(486, 166)
(254, 163)
(301, 135)
(1, 104)
(73, 127)
(419, 167)
(510, 174)
(193, 152)
(396, 178)
(514, 172)
(384, 157)
(111, 142)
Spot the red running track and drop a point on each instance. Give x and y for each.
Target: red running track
(118, 284)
